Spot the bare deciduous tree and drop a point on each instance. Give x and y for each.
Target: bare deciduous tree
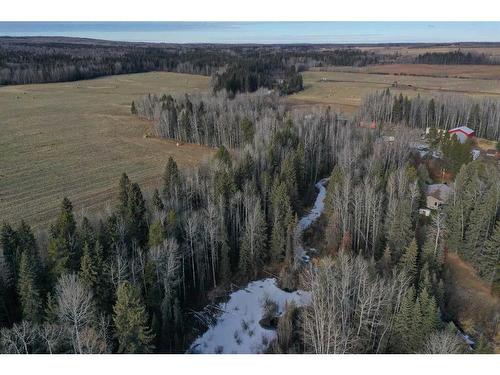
(75, 307)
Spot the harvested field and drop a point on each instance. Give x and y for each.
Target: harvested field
(345, 90)
(413, 51)
(427, 70)
(75, 139)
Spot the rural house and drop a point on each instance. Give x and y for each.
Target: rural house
(462, 132)
(437, 195)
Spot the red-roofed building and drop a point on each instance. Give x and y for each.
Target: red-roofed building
(463, 133)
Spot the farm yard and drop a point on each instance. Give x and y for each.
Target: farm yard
(75, 139)
(344, 90)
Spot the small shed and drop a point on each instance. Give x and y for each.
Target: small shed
(463, 133)
(424, 211)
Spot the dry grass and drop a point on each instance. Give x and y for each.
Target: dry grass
(452, 71)
(470, 300)
(345, 90)
(75, 139)
(415, 51)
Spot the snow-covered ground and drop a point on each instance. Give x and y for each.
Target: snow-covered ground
(237, 329)
(301, 254)
(317, 210)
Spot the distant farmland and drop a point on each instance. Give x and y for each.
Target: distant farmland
(345, 90)
(75, 139)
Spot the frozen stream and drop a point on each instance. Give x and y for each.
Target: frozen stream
(237, 328)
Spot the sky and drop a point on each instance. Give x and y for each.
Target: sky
(263, 32)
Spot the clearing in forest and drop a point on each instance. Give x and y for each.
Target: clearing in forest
(345, 90)
(75, 139)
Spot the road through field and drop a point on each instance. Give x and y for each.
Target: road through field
(75, 139)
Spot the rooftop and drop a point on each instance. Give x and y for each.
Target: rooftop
(463, 129)
(439, 191)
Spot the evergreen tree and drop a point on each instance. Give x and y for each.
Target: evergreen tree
(490, 257)
(131, 321)
(157, 202)
(156, 234)
(29, 294)
(136, 215)
(11, 254)
(400, 229)
(408, 261)
(123, 190)
(223, 156)
(93, 275)
(429, 312)
(87, 233)
(416, 336)
(431, 114)
(171, 178)
(402, 337)
(63, 251)
(247, 130)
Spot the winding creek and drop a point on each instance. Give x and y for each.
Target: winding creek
(236, 327)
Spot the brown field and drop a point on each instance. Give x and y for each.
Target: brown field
(75, 139)
(452, 71)
(345, 90)
(415, 51)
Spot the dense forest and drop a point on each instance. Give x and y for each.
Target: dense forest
(454, 58)
(128, 283)
(234, 68)
(446, 111)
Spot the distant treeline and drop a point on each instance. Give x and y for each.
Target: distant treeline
(235, 68)
(454, 58)
(443, 112)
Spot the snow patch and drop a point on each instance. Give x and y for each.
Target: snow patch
(237, 329)
(301, 254)
(319, 205)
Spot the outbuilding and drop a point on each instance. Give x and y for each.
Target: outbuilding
(463, 133)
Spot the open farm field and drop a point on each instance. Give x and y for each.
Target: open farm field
(75, 139)
(429, 70)
(345, 90)
(413, 51)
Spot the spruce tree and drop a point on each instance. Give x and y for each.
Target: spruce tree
(157, 202)
(171, 178)
(156, 234)
(29, 293)
(136, 215)
(400, 229)
(408, 262)
(123, 190)
(223, 156)
(63, 252)
(490, 256)
(11, 254)
(401, 341)
(93, 275)
(429, 312)
(131, 321)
